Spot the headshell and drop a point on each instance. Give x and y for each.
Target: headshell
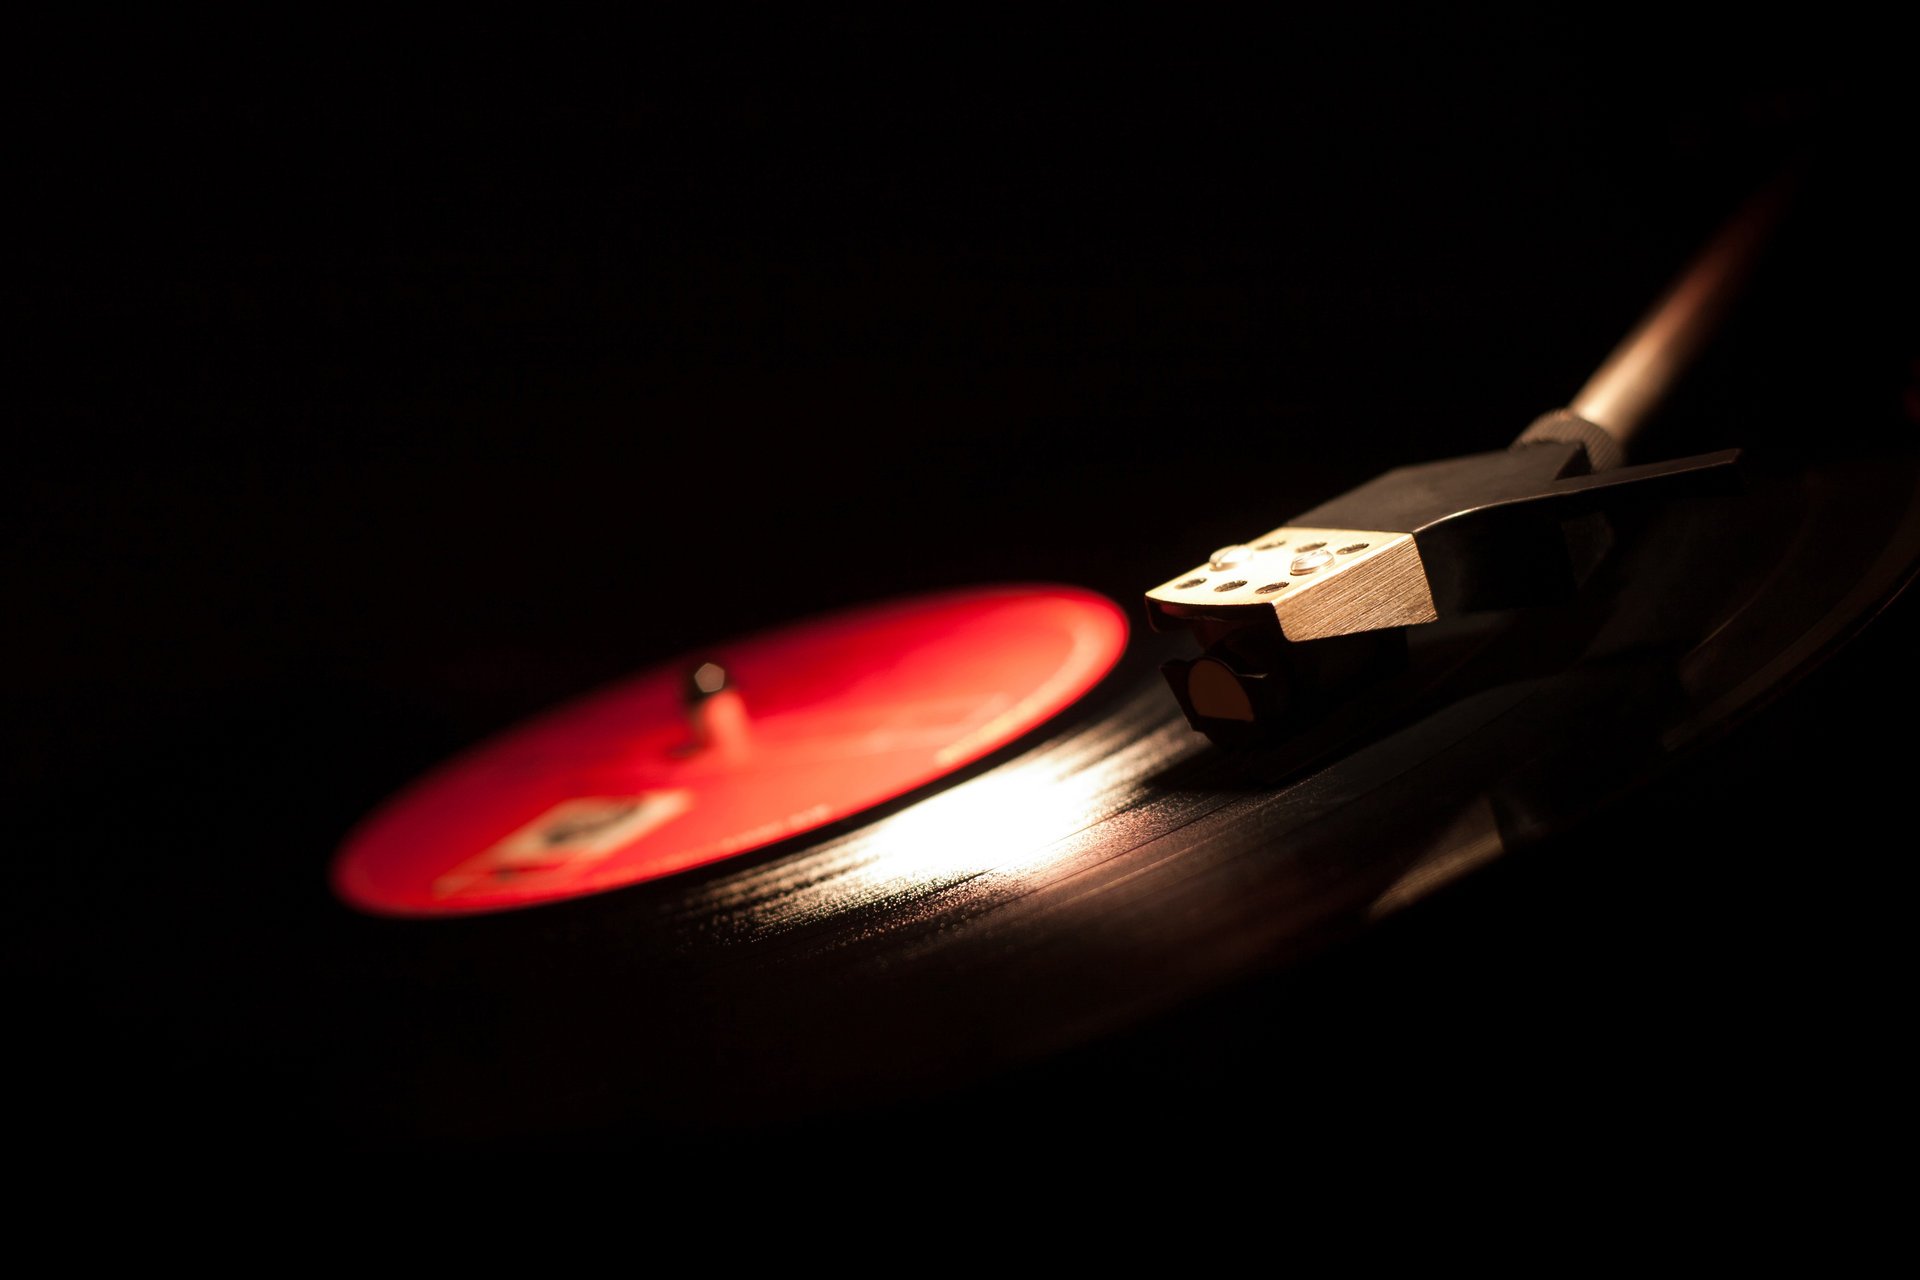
(1309, 583)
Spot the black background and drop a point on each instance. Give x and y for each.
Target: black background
(379, 390)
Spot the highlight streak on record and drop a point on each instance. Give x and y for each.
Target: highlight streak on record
(842, 713)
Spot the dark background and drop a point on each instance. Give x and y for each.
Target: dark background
(378, 390)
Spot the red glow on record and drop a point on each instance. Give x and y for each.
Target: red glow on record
(816, 722)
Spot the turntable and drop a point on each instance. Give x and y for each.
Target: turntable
(986, 669)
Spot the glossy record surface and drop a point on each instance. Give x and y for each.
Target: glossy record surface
(1124, 865)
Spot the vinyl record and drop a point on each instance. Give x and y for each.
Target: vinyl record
(1113, 864)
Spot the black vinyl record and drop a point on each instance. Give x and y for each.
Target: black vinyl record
(421, 420)
(1117, 865)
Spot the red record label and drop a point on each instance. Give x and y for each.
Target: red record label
(765, 738)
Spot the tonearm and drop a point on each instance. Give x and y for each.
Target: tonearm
(1288, 618)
